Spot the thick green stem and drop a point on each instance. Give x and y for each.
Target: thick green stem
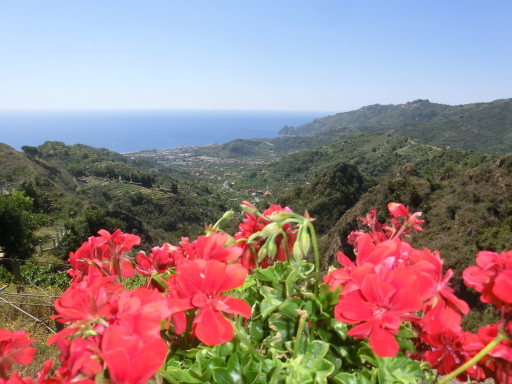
(317, 257)
(498, 339)
(300, 329)
(284, 244)
(227, 215)
(255, 254)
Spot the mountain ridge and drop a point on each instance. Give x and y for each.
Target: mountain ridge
(485, 126)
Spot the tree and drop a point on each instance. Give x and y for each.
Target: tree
(31, 152)
(17, 225)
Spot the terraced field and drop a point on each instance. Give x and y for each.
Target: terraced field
(98, 186)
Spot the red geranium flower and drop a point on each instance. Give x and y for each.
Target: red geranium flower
(131, 358)
(498, 362)
(15, 348)
(199, 284)
(253, 224)
(444, 310)
(139, 311)
(492, 278)
(447, 351)
(382, 303)
(107, 253)
(159, 261)
(340, 276)
(40, 379)
(90, 252)
(86, 301)
(213, 247)
(79, 357)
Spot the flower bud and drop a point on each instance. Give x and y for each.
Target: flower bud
(271, 229)
(305, 242)
(297, 252)
(262, 253)
(248, 207)
(271, 247)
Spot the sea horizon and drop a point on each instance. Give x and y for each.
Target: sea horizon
(126, 131)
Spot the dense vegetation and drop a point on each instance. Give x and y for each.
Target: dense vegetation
(485, 127)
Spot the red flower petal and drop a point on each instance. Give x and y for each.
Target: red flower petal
(211, 328)
(503, 286)
(237, 306)
(383, 342)
(235, 276)
(398, 210)
(131, 359)
(352, 309)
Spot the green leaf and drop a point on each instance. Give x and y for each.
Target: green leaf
(181, 375)
(340, 328)
(315, 351)
(215, 362)
(256, 331)
(327, 297)
(268, 306)
(347, 378)
(234, 366)
(271, 302)
(406, 331)
(305, 269)
(366, 353)
(401, 370)
(266, 274)
(282, 329)
(222, 376)
(289, 308)
(247, 284)
(225, 349)
(280, 270)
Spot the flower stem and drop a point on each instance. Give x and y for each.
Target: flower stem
(239, 334)
(300, 329)
(475, 359)
(284, 244)
(227, 215)
(317, 257)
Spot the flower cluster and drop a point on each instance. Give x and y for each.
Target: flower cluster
(109, 328)
(189, 295)
(391, 282)
(256, 229)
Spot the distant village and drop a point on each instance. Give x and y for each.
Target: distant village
(204, 167)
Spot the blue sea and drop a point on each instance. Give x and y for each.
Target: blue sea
(131, 131)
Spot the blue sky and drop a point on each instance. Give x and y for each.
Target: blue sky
(252, 55)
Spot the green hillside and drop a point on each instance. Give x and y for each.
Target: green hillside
(85, 189)
(465, 211)
(485, 127)
(375, 156)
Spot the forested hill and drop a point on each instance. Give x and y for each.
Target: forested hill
(486, 127)
(85, 189)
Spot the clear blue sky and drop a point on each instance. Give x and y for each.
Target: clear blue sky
(332, 55)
